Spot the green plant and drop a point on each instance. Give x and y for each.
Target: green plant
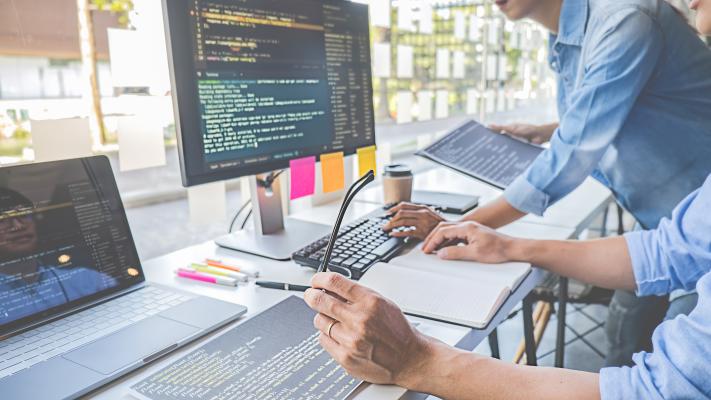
(121, 8)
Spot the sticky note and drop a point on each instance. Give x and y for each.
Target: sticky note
(303, 177)
(503, 66)
(406, 16)
(491, 66)
(405, 66)
(442, 104)
(472, 101)
(207, 203)
(474, 28)
(366, 160)
(442, 58)
(333, 171)
(380, 13)
(460, 25)
(404, 107)
(381, 60)
(61, 139)
(424, 101)
(141, 143)
(426, 18)
(459, 65)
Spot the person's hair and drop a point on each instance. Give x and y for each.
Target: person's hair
(10, 200)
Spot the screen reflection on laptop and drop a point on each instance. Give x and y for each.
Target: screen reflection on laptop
(35, 274)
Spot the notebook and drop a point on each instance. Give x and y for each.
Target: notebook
(458, 292)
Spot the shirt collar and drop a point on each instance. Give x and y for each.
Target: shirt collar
(573, 21)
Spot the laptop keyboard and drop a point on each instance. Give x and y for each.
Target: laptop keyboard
(23, 351)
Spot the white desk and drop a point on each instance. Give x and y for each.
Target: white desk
(568, 218)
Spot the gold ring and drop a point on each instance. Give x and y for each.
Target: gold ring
(330, 327)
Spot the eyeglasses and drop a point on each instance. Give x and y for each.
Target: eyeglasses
(9, 218)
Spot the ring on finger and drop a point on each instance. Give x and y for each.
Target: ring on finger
(330, 327)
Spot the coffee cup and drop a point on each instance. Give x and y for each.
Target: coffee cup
(397, 183)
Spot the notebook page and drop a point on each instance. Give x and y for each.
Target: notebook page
(437, 296)
(501, 275)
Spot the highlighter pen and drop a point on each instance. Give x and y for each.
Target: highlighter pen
(196, 276)
(240, 277)
(219, 264)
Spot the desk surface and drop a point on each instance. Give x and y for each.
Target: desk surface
(567, 219)
(575, 211)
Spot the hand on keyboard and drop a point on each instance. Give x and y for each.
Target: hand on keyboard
(411, 220)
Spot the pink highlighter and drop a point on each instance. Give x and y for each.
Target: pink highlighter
(196, 276)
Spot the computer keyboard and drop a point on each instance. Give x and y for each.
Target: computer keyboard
(29, 348)
(360, 244)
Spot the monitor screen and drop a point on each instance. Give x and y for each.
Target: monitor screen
(64, 239)
(260, 82)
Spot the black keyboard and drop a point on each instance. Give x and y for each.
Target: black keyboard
(359, 246)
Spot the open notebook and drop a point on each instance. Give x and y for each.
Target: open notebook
(459, 292)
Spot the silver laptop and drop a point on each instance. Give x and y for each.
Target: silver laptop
(75, 310)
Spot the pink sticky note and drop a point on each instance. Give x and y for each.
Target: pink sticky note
(303, 176)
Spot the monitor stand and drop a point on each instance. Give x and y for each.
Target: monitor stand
(272, 236)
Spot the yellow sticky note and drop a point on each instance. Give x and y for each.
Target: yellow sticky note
(333, 172)
(366, 160)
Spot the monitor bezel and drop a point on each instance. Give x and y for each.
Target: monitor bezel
(103, 172)
(182, 75)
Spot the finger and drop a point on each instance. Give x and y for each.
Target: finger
(402, 222)
(324, 303)
(338, 285)
(405, 206)
(444, 235)
(456, 253)
(441, 225)
(323, 322)
(338, 352)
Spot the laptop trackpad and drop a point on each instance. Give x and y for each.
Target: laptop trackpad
(131, 344)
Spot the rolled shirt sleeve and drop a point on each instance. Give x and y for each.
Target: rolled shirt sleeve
(619, 61)
(678, 253)
(679, 366)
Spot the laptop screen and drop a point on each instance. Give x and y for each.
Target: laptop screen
(64, 239)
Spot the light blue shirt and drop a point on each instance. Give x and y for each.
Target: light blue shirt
(675, 256)
(634, 101)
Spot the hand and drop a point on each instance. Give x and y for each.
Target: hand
(372, 340)
(532, 133)
(422, 218)
(469, 241)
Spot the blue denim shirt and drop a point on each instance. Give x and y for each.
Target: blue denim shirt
(634, 101)
(677, 255)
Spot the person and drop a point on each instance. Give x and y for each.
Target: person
(371, 338)
(29, 282)
(634, 90)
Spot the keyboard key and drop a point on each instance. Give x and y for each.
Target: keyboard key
(350, 262)
(386, 247)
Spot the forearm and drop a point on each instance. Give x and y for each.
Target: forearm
(455, 374)
(602, 262)
(496, 214)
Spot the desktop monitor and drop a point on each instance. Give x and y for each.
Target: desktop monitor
(257, 83)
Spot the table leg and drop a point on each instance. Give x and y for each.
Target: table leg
(494, 344)
(528, 330)
(560, 336)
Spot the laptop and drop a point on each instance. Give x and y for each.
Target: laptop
(75, 309)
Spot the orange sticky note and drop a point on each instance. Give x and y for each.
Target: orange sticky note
(333, 172)
(366, 160)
